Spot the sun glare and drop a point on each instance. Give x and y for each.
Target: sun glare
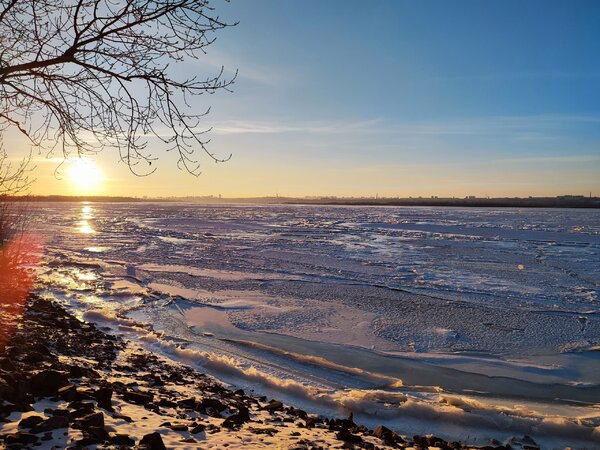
(85, 176)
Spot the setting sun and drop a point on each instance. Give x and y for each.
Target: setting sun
(85, 176)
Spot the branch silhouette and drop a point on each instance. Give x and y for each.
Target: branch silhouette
(78, 77)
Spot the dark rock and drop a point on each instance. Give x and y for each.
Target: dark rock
(68, 392)
(152, 441)
(103, 397)
(21, 393)
(434, 441)
(99, 433)
(197, 429)
(30, 422)
(122, 417)
(165, 403)
(274, 405)
(20, 438)
(33, 357)
(140, 398)
(299, 413)
(346, 436)
(52, 423)
(87, 439)
(232, 422)
(243, 413)
(81, 405)
(213, 403)
(91, 420)
(122, 439)
(187, 402)
(75, 372)
(48, 382)
(381, 431)
(312, 421)
(267, 431)
(431, 441)
(179, 427)
(387, 436)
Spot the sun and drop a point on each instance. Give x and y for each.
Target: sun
(85, 176)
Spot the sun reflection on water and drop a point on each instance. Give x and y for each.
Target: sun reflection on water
(96, 249)
(86, 212)
(84, 226)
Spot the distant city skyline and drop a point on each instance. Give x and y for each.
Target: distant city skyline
(394, 98)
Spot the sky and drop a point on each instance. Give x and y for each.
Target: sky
(389, 98)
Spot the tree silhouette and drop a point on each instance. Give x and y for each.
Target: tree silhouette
(78, 77)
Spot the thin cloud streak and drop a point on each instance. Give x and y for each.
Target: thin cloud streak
(524, 127)
(508, 76)
(265, 127)
(581, 158)
(261, 74)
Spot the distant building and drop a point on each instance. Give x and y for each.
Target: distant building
(570, 197)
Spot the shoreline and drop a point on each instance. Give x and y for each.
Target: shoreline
(567, 201)
(82, 387)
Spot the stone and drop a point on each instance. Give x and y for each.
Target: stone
(212, 403)
(103, 398)
(20, 438)
(387, 436)
(197, 429)
(68, 392)
(91, 420)
(52, 423)
(346, 436)
(30, 422)
(122, 439)
(274, 405)
(99, 433)
(48, 382)
(187, 402)
(311, 422)
(140, 398)
(152, 441)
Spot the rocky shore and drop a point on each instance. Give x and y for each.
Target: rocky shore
(66, 384)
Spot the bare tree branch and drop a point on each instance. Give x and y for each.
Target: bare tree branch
(81, 76)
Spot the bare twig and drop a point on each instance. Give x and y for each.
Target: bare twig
(81, 76)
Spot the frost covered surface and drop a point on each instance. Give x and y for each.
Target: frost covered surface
(410, 316)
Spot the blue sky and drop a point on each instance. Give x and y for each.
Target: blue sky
(398, 98)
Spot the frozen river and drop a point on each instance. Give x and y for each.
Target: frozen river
(485, 322)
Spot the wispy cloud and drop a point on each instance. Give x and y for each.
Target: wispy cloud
(577, 158)
(266, 127)
(527, 128)
(511, 76)
(250, 70)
